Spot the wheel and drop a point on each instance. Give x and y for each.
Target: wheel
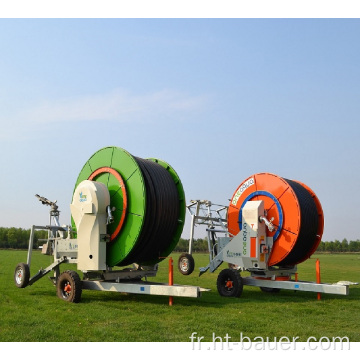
(269, 290)
(69, 287)
(22, 275)
(186, 264)
(229, 283)
(233, 266)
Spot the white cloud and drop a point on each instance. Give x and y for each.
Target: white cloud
(117, 105)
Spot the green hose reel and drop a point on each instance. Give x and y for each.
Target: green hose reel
(148, 203)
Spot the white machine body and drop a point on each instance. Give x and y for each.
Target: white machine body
(89, 212)
(65, 247)
(250, 248)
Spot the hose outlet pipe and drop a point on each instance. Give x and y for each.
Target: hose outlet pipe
(110, 217)
(268, 223)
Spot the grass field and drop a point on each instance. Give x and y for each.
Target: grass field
(37, 314)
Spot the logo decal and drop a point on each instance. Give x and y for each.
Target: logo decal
(244, 233)
(82, 197)
(241, 189)
(232, 254)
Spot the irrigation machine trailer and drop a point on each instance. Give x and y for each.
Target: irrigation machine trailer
(271, 225)
(127, 216)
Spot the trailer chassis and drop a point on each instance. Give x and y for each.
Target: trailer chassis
(68, 283)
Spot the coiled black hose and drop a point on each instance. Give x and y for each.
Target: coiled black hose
(307, 236)
(161, 214)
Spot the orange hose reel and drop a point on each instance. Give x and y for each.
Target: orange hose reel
(296, 211)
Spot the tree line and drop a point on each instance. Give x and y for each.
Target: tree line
(199, 245)
(18, 238)
(336, 246)
(339, 246)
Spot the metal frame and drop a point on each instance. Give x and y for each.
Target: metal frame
(128, 280)
(145, 287)
(267, 277)
(337, 289)
(214, 216)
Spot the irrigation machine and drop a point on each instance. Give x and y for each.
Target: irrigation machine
(271, 225)
(128, 214)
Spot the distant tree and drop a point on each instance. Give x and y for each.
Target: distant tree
(321, 246)
(198, 245)
(329, 246)
(354, 246)
(337, 246)
(12, 238)
(182, 245)
(344, 245)
(18, 238)
(3, 238)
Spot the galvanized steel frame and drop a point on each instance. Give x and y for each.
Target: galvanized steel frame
(213, 216)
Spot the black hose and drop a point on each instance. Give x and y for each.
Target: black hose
(307, 236)
(161, 213)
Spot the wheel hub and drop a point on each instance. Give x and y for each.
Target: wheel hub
(67, 288)
(19, 275)
(184, 265)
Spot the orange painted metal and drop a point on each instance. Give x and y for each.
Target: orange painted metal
(234, 207)
(262, 185)
(253, 247)
(283, 278)
(277, 278)
(318, 278)
(171, 278)
(118, 177)
(229, 284)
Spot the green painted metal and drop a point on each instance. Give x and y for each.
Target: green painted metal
(125, 164)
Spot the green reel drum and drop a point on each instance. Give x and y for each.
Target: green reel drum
(147, 201)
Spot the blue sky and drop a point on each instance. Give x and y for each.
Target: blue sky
(219, 99)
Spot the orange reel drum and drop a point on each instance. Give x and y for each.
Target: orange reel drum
(296, 211)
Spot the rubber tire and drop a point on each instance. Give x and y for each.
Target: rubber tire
(23, 281)
(237, 283)
(189, 260)
(71, 278)
(269, 290)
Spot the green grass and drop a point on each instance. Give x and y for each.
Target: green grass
(37, 314)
